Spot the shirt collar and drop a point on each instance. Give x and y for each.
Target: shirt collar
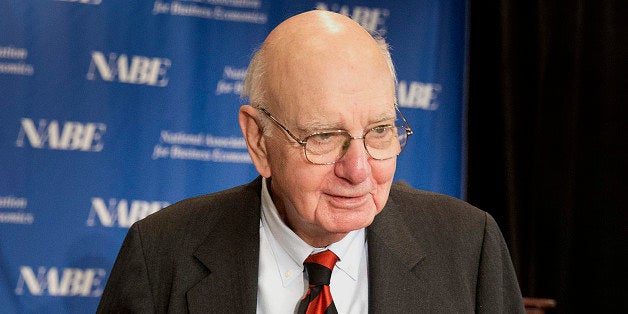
(290, 251)
(350, 251)
(287, 248)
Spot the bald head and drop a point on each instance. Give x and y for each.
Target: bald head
(317, 29)
(308, 49)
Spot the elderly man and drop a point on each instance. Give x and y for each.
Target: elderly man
(323, 229)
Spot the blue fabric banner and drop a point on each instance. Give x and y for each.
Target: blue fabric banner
(111, 110)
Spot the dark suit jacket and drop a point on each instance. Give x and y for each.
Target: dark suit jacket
(428, 253)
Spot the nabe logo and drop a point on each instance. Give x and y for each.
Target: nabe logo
(64, 282)
(69, 135)
(119, 213)
(131, 70)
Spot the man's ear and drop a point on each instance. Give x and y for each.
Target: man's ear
(255, 141)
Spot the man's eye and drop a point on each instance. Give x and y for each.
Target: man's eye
(322, 137)
(381, 130)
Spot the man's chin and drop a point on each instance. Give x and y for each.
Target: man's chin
(348, 224)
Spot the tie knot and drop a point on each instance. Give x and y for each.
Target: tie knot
(319, 267)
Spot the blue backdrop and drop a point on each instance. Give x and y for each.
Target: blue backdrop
(111, 110)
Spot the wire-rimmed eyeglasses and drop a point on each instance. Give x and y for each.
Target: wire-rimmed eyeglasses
(328, 147)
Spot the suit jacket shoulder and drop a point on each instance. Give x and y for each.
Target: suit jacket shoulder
(434, 253)
(172, 259)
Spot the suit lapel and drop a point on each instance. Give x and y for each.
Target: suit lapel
(231, 254)
(394, 264)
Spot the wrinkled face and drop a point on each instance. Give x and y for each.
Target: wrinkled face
(321, 203)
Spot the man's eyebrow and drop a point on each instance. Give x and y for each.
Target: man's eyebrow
(385, 117)
(317, 126)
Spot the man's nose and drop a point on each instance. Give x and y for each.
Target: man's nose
(354, 166)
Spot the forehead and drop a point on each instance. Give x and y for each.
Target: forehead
(336, 104)
(317, 89)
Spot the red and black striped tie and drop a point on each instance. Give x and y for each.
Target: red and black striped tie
(318, 299)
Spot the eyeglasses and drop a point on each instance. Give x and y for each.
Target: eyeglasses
(327, 147)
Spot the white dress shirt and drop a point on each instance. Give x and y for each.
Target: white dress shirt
(282, 281)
